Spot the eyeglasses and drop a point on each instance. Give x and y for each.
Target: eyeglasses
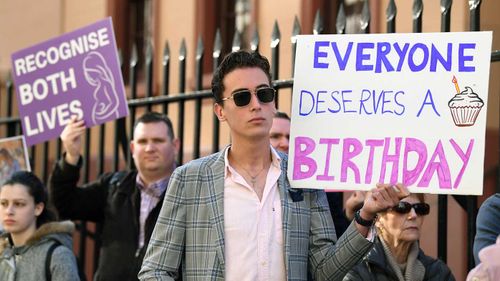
(243, 97)
(421, 209)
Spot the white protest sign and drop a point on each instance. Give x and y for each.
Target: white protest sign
(389, 108)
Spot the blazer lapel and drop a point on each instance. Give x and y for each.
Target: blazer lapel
(283, 186)
(216, 204)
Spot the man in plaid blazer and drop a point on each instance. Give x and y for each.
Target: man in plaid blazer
(233, 215)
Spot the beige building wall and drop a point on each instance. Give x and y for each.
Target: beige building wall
(18, 19)
(77, 14)
(27, 22)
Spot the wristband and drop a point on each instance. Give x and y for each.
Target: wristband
(361, 221)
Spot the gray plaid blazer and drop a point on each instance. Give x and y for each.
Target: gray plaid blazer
(189, 233)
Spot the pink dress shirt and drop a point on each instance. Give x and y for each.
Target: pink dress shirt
(150, 196)
(252, 227)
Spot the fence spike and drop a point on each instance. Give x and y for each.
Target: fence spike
(8, 79)
(9, 85)
(149, 52)
(475, 22)
(276, 35)
(295, 29)
(254, 45)
(295, 32)
(217, 44)
(200, 49)
(275, 55)
(365, 18)
(418, 10)
(445, 15)
(340, 23)
(236, 46)
(182, 50)
(133, 72)
(134, 57)
(149, 70)
(446, 5)
(390, 16)
(166, 70)
(474, 4)
(166, 53)
(318, 23)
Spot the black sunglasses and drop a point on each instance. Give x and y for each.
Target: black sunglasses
(243, 97)
(421, 209)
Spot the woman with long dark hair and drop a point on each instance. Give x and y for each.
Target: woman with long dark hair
(34, 246)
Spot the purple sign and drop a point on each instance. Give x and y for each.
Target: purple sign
(77, 73)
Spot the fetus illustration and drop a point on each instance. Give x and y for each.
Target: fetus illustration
(98, 74)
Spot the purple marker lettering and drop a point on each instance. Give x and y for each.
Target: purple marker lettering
(351, 148)
(301, 159)
(440, 166)
(417, 146)
(465, 159)
(329, 143)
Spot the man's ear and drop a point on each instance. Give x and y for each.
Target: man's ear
(177, 145)
(219, 111)
(132, 147)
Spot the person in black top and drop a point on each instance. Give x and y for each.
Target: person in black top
(126, 203)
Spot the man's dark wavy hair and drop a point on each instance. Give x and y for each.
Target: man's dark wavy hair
(236, 60)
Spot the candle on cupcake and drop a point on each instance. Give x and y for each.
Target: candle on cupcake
(454, 80)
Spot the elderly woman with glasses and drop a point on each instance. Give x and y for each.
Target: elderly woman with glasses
(396, 254)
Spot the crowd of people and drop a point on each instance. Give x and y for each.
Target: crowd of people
(230, 215)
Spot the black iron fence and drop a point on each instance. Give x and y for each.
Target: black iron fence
(97, 149)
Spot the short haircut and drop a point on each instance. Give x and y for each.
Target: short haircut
(155, 117)
(282, 115)
(237, 60)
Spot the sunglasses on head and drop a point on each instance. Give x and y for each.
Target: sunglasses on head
(403, 207)
(242, 98)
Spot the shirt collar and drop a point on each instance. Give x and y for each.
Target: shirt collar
(275, 161)
(155, 189)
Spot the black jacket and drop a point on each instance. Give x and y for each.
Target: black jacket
(375, 267)
(340, 221)
(114, 201)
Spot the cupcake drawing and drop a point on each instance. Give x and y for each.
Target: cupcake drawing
(465, 106)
